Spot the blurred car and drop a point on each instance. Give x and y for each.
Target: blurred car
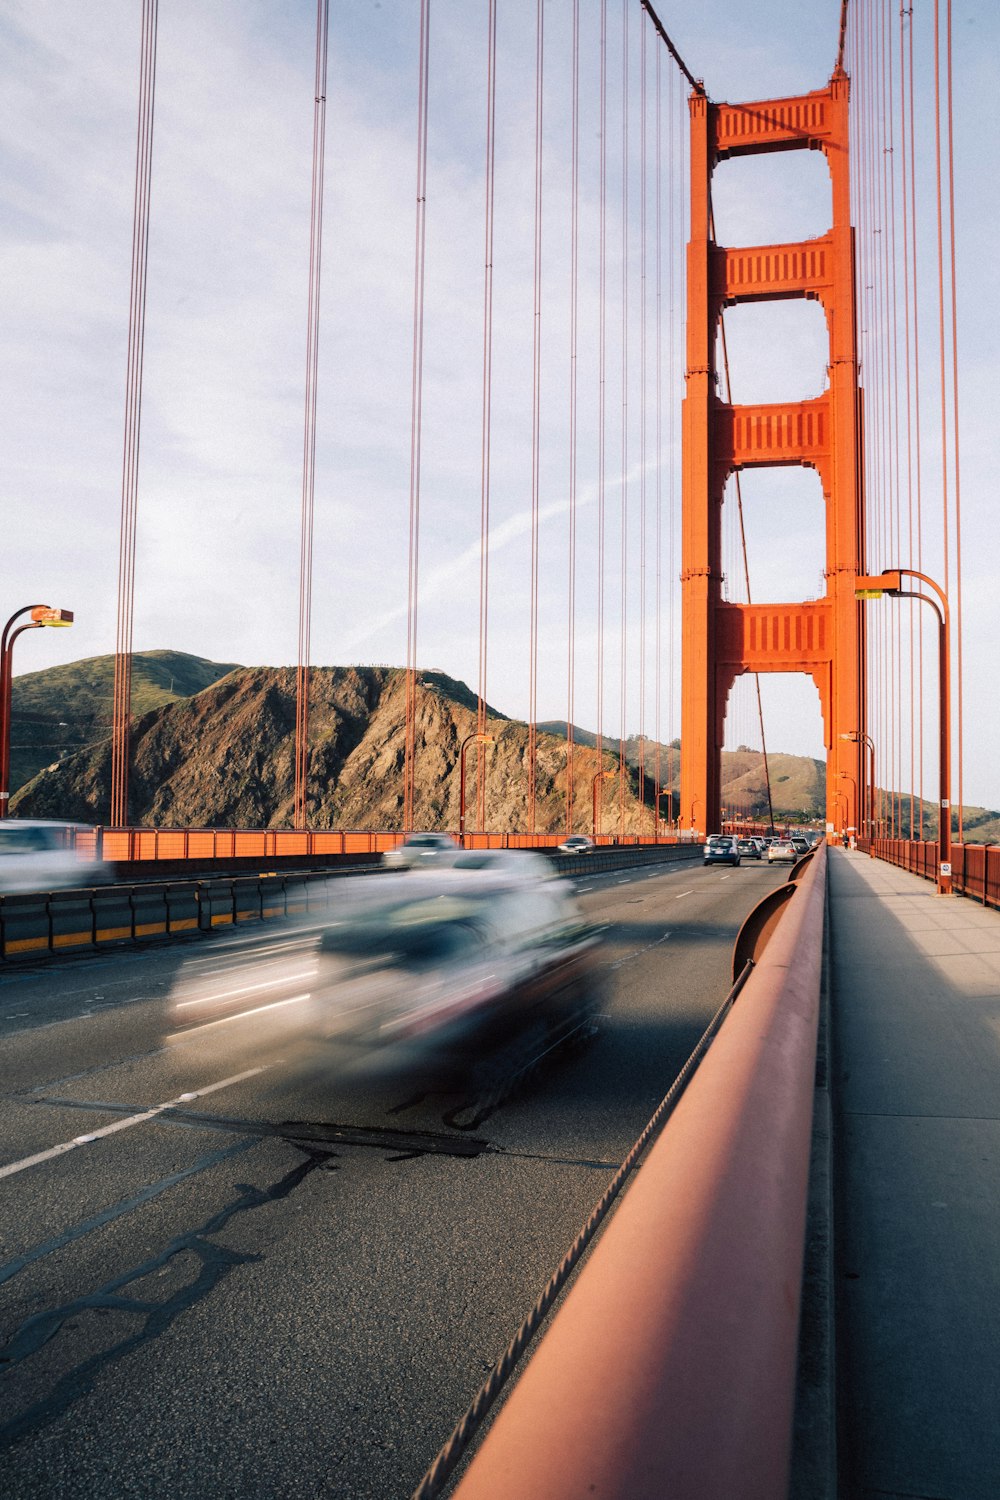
(577, 843)
(420, 849)
(799, 844)
(722, 849)
(440, 967)
(749, 848)
(40, 856)
(782, 851)
(507, 861)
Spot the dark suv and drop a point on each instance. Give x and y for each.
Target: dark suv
(722, 849)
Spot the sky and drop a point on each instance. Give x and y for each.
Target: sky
(224, 372)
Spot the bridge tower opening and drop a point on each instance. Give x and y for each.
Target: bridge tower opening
(822, 637)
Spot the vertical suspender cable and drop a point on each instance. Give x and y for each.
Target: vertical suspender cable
(601, 370)
(642, 425)
(942, 332)
(905, 153)
(484, 521)
(955, 432)
(574, 289)
(416, 418)
(536, 394)
(309, 436)
(658, 382)
(122, 701)
(917, 433)
(624, 503)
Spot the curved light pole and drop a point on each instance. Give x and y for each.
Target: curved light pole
(858, 737)
(848, 777)
(479, 739)
(41, 615)
(890, 582)
(601, 776)
(841, 799)
(669, 821)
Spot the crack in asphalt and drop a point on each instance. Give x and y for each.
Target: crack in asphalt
(216, 1263)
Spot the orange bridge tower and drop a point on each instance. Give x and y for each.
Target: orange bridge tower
(820, 637)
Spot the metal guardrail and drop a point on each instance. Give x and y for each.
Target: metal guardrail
(670, 1367)
(975, 868)
(75, 921)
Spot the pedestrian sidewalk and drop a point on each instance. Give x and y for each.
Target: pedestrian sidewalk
(915, 1017)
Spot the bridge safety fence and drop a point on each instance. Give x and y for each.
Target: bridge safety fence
(75, 921)
(975, 868)
(132, 845)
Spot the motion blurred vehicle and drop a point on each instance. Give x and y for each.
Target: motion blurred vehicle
(782, 851)
(420, 849)
(577, 843)
(749, 848)
(507, 861)
(40, 856)
(445, 968)
(722, 849)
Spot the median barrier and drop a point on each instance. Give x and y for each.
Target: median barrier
(670, 1368)
(70, 919)
(113, 914)
(32, 925)
(24, 926)
(181, 902)
(149, 911)
(215, 904)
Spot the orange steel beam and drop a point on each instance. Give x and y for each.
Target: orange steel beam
(822, 638)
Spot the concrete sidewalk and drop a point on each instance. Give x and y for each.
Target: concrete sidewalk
(915, 1014)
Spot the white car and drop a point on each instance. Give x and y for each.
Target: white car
(419, 850)
(781, 852)
(577, 843)
(40, 856)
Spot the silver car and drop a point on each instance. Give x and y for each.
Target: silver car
(420, 850)
(40, 856)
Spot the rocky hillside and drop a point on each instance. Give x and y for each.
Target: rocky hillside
(60, 709)
(225, 757)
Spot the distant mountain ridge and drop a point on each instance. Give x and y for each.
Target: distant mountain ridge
(58, 709)
(213, 745)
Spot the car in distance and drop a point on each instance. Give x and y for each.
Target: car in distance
(749, 848)
(577, 843)
(36, 855)
(782, 851)
(419, 850)
(722, 849)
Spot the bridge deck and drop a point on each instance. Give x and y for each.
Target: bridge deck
(916, 1027)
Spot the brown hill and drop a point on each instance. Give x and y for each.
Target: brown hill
(225, 757)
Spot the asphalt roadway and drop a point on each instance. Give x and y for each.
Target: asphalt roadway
(264, 1282)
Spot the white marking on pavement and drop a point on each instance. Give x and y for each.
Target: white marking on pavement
(148, 1114)
(683, 893)
(245, 989)
(243, 1014)
(629, 956)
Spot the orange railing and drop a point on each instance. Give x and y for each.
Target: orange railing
(975, 868)
(206, 844)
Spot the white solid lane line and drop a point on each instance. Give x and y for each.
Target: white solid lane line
(241, 1015)
(683, 893)
(245, 989)
(148, 1114)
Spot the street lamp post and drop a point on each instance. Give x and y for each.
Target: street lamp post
(848, 777)
(659, 798)
(601, 776)
(474, 738)
(890, 582)
(858, 737)
(41, 615)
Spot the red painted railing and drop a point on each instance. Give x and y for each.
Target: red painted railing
(206, 844)
(975, 868)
